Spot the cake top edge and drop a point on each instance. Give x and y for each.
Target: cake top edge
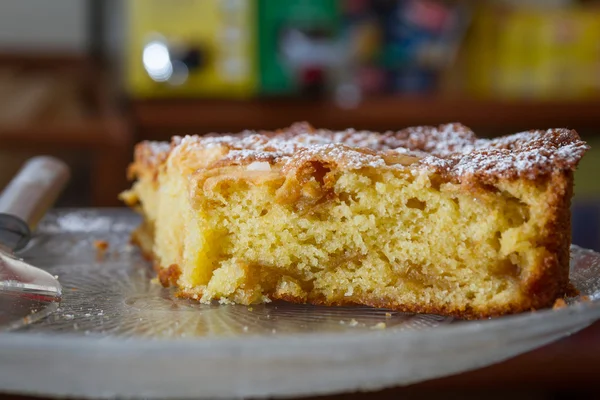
(450, 148)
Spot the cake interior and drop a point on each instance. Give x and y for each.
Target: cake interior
(372, 236)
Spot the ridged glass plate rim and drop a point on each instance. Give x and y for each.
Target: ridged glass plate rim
(401, 358)
(577, 313)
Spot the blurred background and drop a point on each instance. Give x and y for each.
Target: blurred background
(85, 80)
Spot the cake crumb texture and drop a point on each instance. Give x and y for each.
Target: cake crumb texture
(424, 219)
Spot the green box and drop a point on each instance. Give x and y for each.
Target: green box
(274, 16)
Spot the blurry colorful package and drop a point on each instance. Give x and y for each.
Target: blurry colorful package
(411, 41)
(242, 48)
(535, 53)
(379, 45)
(191, 48)
(297, 40)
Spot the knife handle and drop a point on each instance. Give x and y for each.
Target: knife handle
(34, 189)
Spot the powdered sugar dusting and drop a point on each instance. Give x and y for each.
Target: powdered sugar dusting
(344, 156)
(525, 155)
(451, 149)
(152, 152)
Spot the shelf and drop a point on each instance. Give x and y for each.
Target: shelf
(63, 105)
(162, 118)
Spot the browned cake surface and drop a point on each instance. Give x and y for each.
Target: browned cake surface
(446, 178)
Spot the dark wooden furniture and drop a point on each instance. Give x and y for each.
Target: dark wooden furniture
(93, 124)
(159, 119)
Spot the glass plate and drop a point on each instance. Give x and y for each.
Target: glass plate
(118, 334)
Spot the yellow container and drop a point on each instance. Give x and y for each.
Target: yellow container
(541, 54)
(183, 48)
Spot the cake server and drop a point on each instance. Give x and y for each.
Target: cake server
(22, 204)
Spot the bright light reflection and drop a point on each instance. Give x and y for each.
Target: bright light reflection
(157, 61)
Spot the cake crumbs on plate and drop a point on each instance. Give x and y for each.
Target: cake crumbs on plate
(388, 315)
(101, 249)
(559, 303)
(101, 245)
(353, 322)
(379, 326)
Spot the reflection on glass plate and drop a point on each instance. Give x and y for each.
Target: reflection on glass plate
(17, 311)
(117, 333)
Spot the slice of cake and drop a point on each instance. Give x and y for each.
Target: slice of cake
(425, 219)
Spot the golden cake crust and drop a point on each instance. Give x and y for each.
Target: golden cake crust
(451, 151)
